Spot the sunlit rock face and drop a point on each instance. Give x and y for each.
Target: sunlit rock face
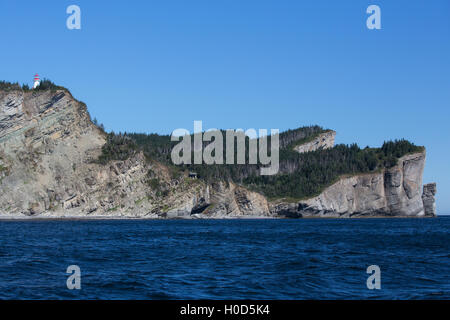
(393, 192)
(48, 148)
(322, 141)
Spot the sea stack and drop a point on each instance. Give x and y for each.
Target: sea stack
(429, 205)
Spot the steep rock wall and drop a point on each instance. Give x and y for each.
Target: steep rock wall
(393, 192)
(429, 205)
(48, 148)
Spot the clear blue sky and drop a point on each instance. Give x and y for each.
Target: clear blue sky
(154, 66)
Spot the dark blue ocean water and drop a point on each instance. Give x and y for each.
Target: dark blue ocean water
(226, 259)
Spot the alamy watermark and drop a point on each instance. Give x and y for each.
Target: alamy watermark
(374, 20)
(374, 280)
(213, 153)
(74, 20)
(74, 280)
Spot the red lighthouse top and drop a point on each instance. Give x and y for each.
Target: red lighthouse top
(36, 77)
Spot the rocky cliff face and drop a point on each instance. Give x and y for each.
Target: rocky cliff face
(322, 141)
(393, 192)
(48, 148)
(46, 144)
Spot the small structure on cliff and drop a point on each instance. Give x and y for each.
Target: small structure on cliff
(37, 81)
(193, 175)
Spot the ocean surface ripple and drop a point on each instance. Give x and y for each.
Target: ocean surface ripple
(226, 259)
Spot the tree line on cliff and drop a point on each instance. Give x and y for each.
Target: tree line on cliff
(301, 175)
(45, 84)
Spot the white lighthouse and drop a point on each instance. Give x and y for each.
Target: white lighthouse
(37, 81)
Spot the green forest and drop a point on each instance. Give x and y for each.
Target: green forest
(301, 175)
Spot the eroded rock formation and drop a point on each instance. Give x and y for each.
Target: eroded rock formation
(394, 192)
(429, 206)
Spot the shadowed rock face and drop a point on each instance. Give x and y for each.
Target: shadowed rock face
(48, 146)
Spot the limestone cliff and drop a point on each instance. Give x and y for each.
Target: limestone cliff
(48, 148)
(322, 141)
(48, 168)
(396, 191)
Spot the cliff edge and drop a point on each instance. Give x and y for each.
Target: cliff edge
(396, 191)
